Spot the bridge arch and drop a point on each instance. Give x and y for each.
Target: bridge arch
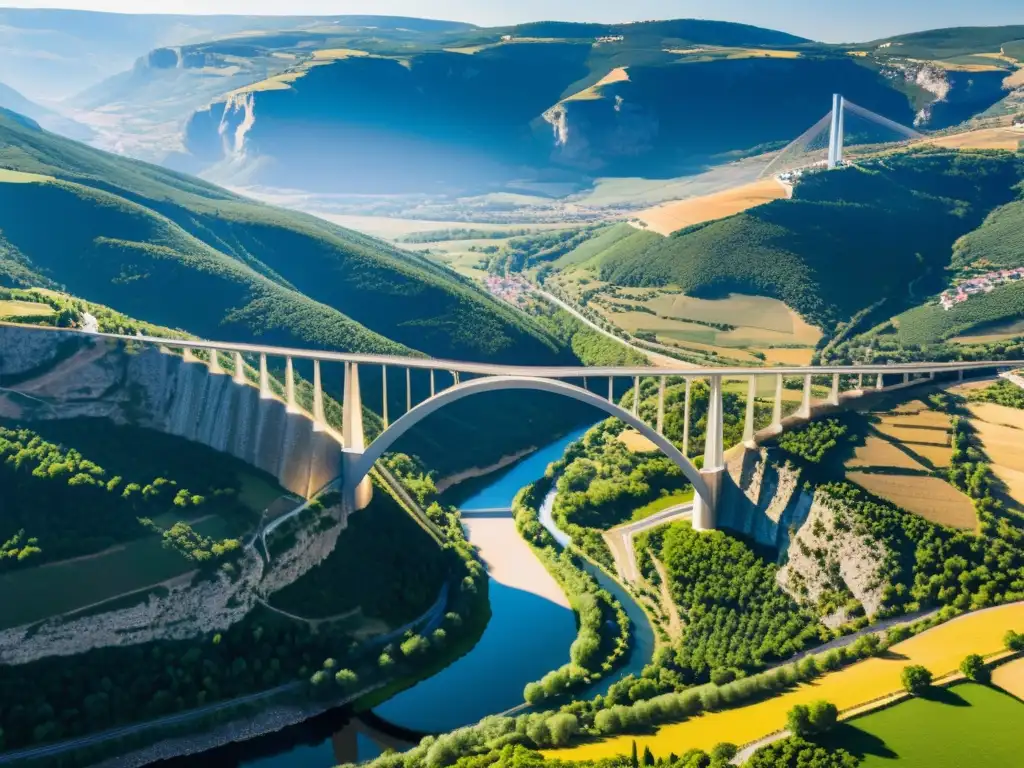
(359, 463)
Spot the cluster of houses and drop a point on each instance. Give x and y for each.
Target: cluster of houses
(610, 39)
(510, 289)
(983, 284)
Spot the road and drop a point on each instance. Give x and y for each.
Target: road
(621, 538)
(654, 357)
(1015, 378)
(676, 368)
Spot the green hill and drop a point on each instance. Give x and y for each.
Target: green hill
(847, 239)
(179, 252)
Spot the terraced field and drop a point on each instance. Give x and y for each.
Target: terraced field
(906, 444)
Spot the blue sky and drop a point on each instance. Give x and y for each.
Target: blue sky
(828, 20)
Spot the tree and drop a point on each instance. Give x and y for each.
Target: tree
(1014, 641)
(648, 756)
(916, 679)
(634, 761)
(811, 719)
(973, 667)
(347, 679)
(724, 752)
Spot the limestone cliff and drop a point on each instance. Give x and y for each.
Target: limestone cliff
(61, 375)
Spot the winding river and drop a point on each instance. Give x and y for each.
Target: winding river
(529, 634)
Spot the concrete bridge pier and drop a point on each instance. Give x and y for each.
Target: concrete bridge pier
(748, 425)
(713, 471)
(356, 492)
(776, 427)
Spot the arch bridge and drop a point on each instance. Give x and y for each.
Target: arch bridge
(451, 381)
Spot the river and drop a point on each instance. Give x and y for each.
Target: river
(529, 634)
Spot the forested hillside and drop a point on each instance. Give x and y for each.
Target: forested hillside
(847, 239)
(180, 252)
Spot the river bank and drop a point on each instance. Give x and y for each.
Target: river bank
(446, 483)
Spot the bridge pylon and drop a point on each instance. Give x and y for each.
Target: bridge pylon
(835, 136)
(713, 471)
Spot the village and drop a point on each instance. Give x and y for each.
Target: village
(508, 288)
(982, 284)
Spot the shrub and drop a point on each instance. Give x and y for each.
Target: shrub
(347, 679)
(973, 667)
(916, 679)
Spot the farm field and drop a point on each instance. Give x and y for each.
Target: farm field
(636, 442)
(785, 356)
(34, 594)
(617, 75)
(940, 649)
(930, 497)
(1001, 433)
(683, 321)
(905, 444)
(985, 138)
(964, 725)
(671, 217)
(19, 177)
(1000, 332)
(24, 309)
(1010, 677)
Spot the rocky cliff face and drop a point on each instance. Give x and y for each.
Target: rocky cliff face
(818, 552)
(61, 375)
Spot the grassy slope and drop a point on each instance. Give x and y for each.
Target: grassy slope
(846, 240)
(178, 251)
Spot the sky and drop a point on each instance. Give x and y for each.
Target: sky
(825, 20)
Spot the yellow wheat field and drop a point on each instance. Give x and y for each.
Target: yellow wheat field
(985, 138)
(787, 356)
(617, 75)
(636, 442)
(877, 452)
(670, 217)
(941, 650)
(930, 497)
(1010, 677)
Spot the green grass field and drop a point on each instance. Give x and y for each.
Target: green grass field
(34, 594)
(661, 504)
(966, 725)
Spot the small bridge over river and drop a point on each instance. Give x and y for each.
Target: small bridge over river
(344, 459)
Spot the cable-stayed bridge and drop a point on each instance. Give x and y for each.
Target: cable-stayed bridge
(804, 151)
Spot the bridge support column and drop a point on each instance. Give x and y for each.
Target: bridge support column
(906, 378)
(239, 377)
(611, 389)
(384, 385)
(636, 395)
(833, 397)
(289, 386)
(355, 496)
(960, 375)
(686, 419)
(215, 366)
(704, 518)
(319, 421)
(880, 381)
(860, 382)
(408, 389)
(805, 403)
(265, 393)
(433, 387)
(188, 355)
(748, 425)
(777, 405)
(661, 406)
